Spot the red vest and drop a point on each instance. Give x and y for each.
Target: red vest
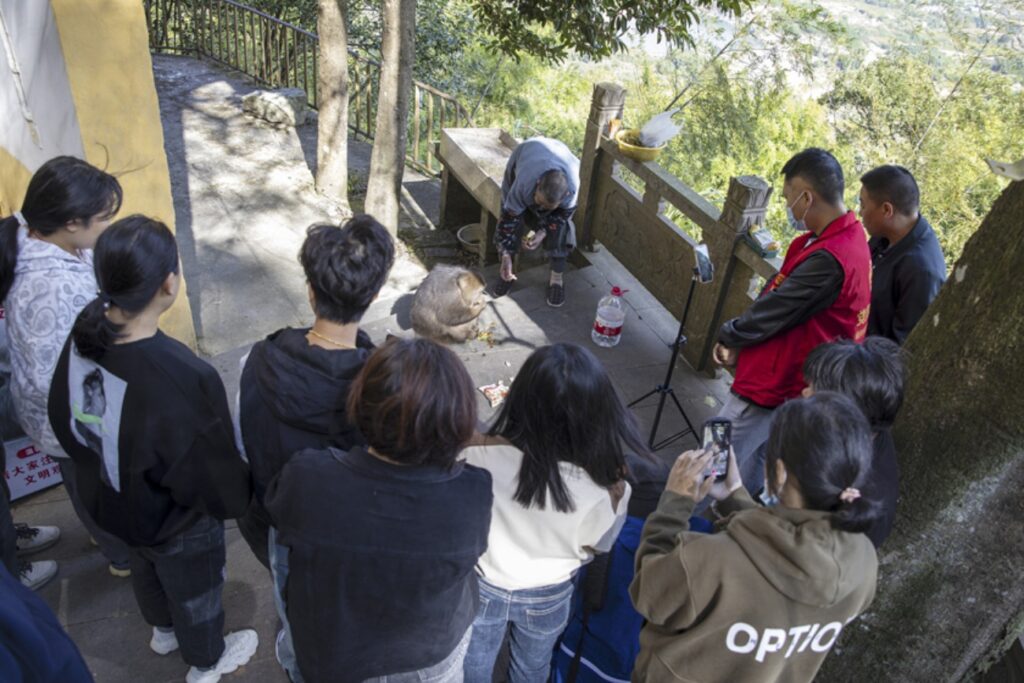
(771, 372)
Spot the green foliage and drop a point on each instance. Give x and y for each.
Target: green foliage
(893, 111)
(552, 29)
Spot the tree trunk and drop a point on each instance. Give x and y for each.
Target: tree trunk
(332, 124)
(387, 161)
(950, 592)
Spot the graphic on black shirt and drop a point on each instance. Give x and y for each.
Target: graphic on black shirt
(97, 399)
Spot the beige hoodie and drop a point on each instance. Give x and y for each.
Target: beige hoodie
(762, 600)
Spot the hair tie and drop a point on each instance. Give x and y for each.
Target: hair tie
(849, 495)
(20, 217)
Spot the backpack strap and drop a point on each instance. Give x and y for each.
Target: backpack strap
(595, 590)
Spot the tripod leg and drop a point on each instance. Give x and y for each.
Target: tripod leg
(686, 418)
(650, 393)
(657, 417)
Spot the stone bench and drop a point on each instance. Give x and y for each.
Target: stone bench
(474, 162)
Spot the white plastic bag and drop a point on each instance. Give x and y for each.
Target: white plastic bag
(659, 130)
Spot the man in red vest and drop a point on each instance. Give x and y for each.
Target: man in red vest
(821, 293)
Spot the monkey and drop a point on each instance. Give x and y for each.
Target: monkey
(447, 304)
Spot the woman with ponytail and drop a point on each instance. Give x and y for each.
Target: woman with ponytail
(556, 454)
(766, 597)
(147, 424)
(46, 278)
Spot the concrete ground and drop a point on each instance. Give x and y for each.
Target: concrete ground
(243, 195)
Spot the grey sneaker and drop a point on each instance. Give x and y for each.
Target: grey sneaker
(163, 642)
(239, 647)
(556, 295)
(35, 575)
(32, 539)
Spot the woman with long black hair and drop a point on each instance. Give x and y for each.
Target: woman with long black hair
(148, 427)
(46, 278)
(556, 453)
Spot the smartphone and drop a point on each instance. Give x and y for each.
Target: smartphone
(717, 439)
(705, 269)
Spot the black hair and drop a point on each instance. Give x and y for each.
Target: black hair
(414, 402)
(553, 185)
(62, 190)
(562, 407)
(346, 266)
(825, 443)
(872, 373)
(132, 259)
(822, 172)
(893, 184)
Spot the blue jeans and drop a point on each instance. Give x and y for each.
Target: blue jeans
(179, 583)
(284, 649)
(537, 617)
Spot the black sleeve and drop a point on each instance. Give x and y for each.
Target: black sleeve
(57, 403)
(506, 237)
(211, 476)
(917, 287)
(812, 287)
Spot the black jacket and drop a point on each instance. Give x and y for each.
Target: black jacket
(813, 286)
(884, 485)
(381, 560)
(166, 433)
(906, 278)
(292, 397)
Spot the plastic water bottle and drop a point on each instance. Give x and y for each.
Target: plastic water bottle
(611, 313)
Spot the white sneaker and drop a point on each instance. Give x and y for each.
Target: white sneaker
(163, 643)
(35, 575)
(32, 539)
(239, 647)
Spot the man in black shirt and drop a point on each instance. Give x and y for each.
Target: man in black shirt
(907, 263)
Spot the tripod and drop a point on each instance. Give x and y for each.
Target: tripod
(665, 390)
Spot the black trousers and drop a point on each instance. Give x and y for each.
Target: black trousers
(179, 584)
(8, 537)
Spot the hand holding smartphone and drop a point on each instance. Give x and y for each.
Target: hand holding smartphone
(717, 439)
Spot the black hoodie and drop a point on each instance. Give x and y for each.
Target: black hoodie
(291, 397)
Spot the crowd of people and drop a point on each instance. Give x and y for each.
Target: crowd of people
(403, 541)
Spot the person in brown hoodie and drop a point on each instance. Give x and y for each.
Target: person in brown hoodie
(765, 597)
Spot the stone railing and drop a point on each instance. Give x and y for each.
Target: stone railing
(632, 224)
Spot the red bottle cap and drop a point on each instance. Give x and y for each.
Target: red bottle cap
(616, 291)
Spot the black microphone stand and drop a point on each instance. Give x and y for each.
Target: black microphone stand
(665, 390)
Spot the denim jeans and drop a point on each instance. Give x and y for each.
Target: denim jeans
(537, 617)
(117, 552)
(285, 648)
(448, 670)
(179, 583)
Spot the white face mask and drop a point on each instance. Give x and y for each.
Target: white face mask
(798, 225)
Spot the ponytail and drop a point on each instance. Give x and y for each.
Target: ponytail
(132, 259)
(63, 190)
(93, 331)
(856, 516)
(8, 254)
(825, 444)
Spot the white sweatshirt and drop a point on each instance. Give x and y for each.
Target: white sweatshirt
(50, 288)
(531, 547)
